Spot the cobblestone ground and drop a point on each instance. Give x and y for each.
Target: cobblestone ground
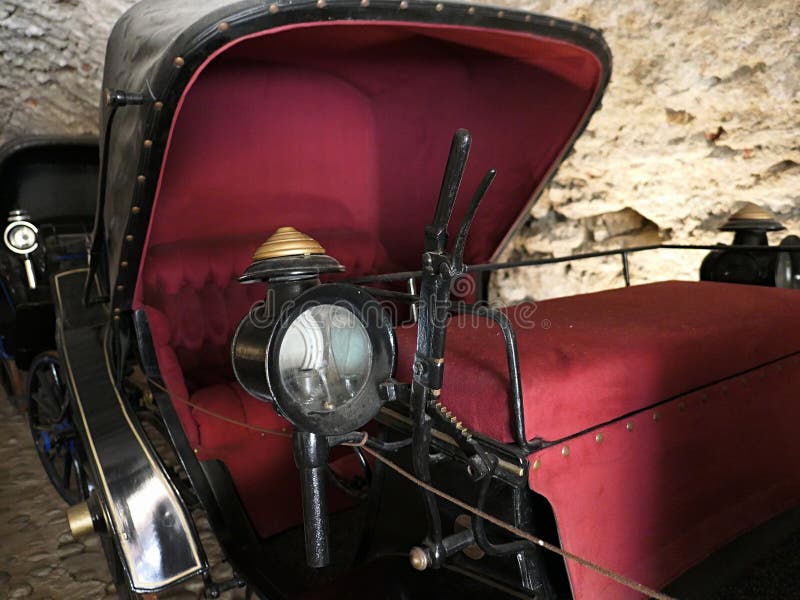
(38, 557)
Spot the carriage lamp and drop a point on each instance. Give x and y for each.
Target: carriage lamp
(319, 353)
(22, 237)
(750, 226)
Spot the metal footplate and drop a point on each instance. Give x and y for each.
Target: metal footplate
(153, 532)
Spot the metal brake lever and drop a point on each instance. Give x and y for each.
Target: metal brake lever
(469, 217)
(436, 233)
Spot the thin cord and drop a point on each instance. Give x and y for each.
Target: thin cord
(217, 415)
(621, 579)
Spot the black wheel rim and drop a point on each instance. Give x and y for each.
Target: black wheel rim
(54, 435)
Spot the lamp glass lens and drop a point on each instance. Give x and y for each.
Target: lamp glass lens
(22, 237)
(325, 358)
(786, 275)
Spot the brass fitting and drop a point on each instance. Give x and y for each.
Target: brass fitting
(418, 558)
(80, 520)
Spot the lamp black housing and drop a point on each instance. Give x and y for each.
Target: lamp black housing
(257, 344)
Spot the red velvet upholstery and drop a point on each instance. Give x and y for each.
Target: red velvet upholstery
(600, 356)
(347, 126)
(651, 502)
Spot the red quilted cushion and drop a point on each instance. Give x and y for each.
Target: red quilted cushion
(588, 359)
(194, 284)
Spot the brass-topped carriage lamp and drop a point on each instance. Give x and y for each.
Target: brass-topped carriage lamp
(317, 352)
(22, 237)
(739, 264)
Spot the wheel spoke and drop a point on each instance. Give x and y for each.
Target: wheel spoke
(44, 381)
(54, 373)
(67, 473)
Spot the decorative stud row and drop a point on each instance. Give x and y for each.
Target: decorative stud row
(682, 406)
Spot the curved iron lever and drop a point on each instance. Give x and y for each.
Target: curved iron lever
(439, 270)
(436, 233)
(469, 217)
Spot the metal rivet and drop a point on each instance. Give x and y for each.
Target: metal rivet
(537, 464)
(321, 3)
(196, 450)
(629, 426)
(364, 3)
(471, 10)
(598, 438)
(592, 35)
(116, 317)
(140, 178)
(158, 105)
(117, 311)
(501, 13)
(129, 237)
(404, 5)
(135, 210)
(273, 8)
(656, 416)
(148, 143)
(552, 22)
(120, 287)
(178, 61)
(682, 406)
(574, 27)
(439, 7)
(527, 18)
(565, 451)
(124, 264)
(223, 27)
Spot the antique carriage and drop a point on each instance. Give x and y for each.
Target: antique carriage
(468, 450)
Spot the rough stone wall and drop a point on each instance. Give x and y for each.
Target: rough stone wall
(702, 114)
(51, 64)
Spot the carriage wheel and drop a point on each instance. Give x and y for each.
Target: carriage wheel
(54, 435)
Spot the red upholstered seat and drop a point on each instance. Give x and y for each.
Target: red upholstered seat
(592, 358)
